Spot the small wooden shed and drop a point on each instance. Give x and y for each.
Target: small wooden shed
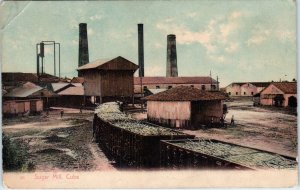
(185, 107)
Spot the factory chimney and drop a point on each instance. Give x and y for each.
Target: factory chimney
(141, 49)
(171, 56)
(83, 57)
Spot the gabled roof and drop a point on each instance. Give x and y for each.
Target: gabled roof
(286, 87)
(73, 91)
(257, 84)
(57, 86)
(174, 80)
(23, 92)
(118, 63)
(185, 93)
(77, 80)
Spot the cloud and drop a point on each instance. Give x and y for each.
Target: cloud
(232, 47)
(213, 37)
(192, 14)
(90, 31)
(259, 35)
(285, 35)
(96, 17)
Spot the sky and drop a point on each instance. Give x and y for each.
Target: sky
(236, 40)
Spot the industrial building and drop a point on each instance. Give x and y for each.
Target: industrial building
(203, 83)
(108, 79)
(282, 94)
(245, 88)
(28, 98)
(185, 107)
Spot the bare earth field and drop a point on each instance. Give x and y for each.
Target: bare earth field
(269, 129)
(59, 144)
(66, 144)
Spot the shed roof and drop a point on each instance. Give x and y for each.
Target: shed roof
(22, 92)
(286, 87)
(118, 63)
(73, 91)
(185, 93)
(174, 80)
(60, 85)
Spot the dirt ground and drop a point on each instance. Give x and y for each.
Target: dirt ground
(59, 144)
(264, 128)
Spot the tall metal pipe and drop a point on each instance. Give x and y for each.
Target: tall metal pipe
(171, 56)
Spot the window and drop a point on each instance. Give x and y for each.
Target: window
(169, 87)
(244, 93)
(157, 87)
(236, 93)
(192, 85)
(251, 93)
(202, 87)
(229, 93)
(145, 87)
(213, 87)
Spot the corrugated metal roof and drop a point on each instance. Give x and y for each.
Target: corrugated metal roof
(23, 92)
(174, 80)
(185, 93)
(73, 91)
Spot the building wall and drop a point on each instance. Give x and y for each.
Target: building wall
(117, 83)
(203, 112)
(286, 99)
(268, 95)
(167, 86)
(91, 83)
(233, 90)
(172, 114)
(108, 83)
(21, 106)
(248, 89)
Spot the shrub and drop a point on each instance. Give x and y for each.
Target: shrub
(13, 154)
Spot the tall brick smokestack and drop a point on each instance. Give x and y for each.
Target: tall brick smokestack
(83, 57)
(171, 56)
(141, 49)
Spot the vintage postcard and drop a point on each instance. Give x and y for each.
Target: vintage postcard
(149, 94)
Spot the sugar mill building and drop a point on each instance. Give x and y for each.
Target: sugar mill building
(185, 107)
(245, 88)
(108, 79)
(203, 83)
(280, 94)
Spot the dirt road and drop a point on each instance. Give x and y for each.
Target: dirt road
(59, 144)
(257, 127)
